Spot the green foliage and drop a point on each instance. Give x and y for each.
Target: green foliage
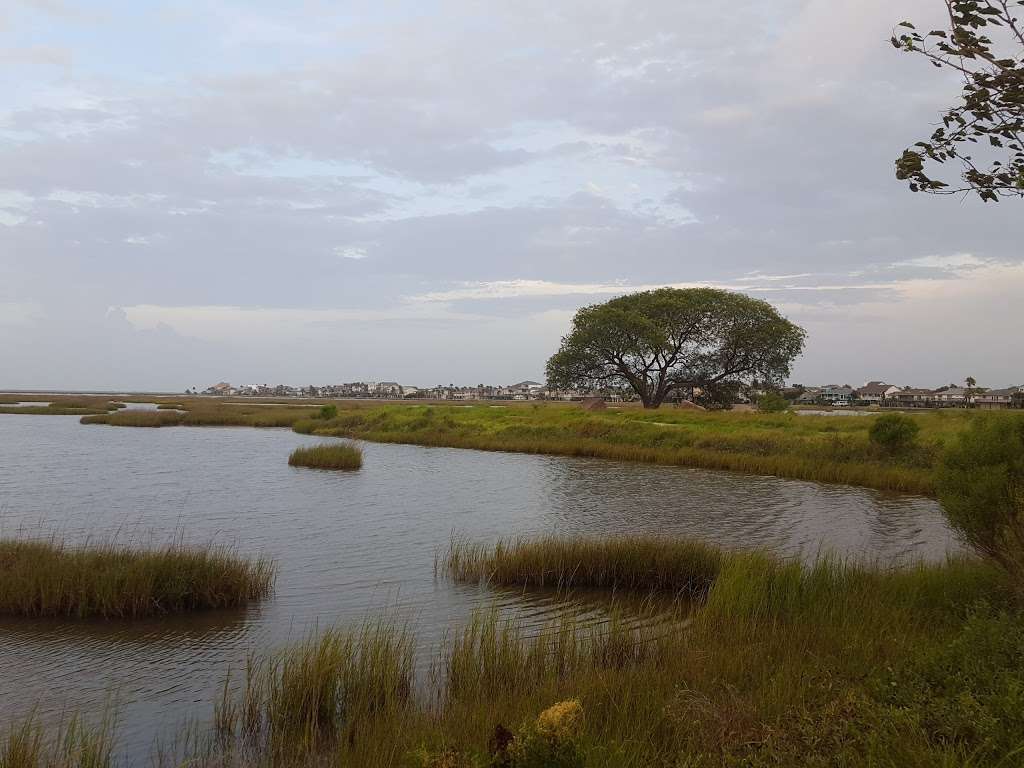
(328, 411)
(658, 342)
(894, 432)
(990, 118)
(980, 482)
(969, 691)
(772, 402)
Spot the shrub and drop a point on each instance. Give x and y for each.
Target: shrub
(894, 432)
(772, 402)
(980, 481)
(328, 412)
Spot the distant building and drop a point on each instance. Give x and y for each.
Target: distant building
(1000, 399)
(875, 392)
(909, 397)
(833, 394)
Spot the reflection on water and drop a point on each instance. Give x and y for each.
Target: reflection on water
(353, 545)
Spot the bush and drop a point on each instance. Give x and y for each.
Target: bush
(980, 482)
(772, 402)
(894, 432)
(328, 412)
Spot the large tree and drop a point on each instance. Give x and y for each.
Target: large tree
(659, 342)
(984, 133)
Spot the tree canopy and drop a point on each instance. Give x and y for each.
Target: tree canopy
(984, 134)
(659, 342)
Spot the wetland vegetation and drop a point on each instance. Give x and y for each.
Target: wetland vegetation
(327, 456)
(47, 578)
(778, 664)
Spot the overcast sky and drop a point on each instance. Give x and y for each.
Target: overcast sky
(317, 192)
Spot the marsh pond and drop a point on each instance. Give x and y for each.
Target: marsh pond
(353, 545)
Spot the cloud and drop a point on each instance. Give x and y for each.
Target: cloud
(467, 171)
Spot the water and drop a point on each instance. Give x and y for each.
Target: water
(352, 545)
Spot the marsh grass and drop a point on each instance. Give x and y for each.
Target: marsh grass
(133, 418)
(47, 578)
(76, 744)
(782, 664)
(631, 563)
(308, 695)
(816, 448)
(56, 405)
(327, 456)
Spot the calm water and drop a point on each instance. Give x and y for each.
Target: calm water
(351, 545)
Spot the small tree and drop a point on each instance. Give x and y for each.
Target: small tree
(894, 432)
(663, 341)
(991, 114)
(772, 402)
(980, 483)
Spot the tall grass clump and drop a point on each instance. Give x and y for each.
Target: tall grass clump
(75, 745)
(327, 456)
(633, 563)
(981, 487)
(133, 418)
(306, 695)
(894, 432)
(51, 579)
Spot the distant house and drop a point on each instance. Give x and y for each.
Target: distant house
(833, 394)
(910, 397)
(223, 389)
(809, 396)
(950, 397)
(1000, 399)
(875, 392)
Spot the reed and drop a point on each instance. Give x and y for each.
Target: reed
(307, 695)
(76, 744)
(783, 664)
(327, 456)
(133, 418)
(47, 578)
(632, 563)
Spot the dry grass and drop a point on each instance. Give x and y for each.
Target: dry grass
(49, 579)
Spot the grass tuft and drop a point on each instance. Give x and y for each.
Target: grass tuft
(50, 579)
(634, 563)
(327, 456)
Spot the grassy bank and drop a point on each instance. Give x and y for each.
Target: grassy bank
(50, 579)
(57, 405)
(818, 448)
(327, 456)
(779, 664)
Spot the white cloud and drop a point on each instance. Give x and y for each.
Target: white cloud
(350, 252)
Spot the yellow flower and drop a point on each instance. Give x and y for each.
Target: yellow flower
(559, 721)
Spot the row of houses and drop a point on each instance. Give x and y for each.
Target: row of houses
(891, 396)
(392, 390)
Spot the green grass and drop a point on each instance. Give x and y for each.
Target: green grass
(76, 745)
(818, 448)
(46, 578)
(327, 456)
(834, 449)
(779, 664)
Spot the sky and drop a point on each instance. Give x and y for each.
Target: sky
(425, 192)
